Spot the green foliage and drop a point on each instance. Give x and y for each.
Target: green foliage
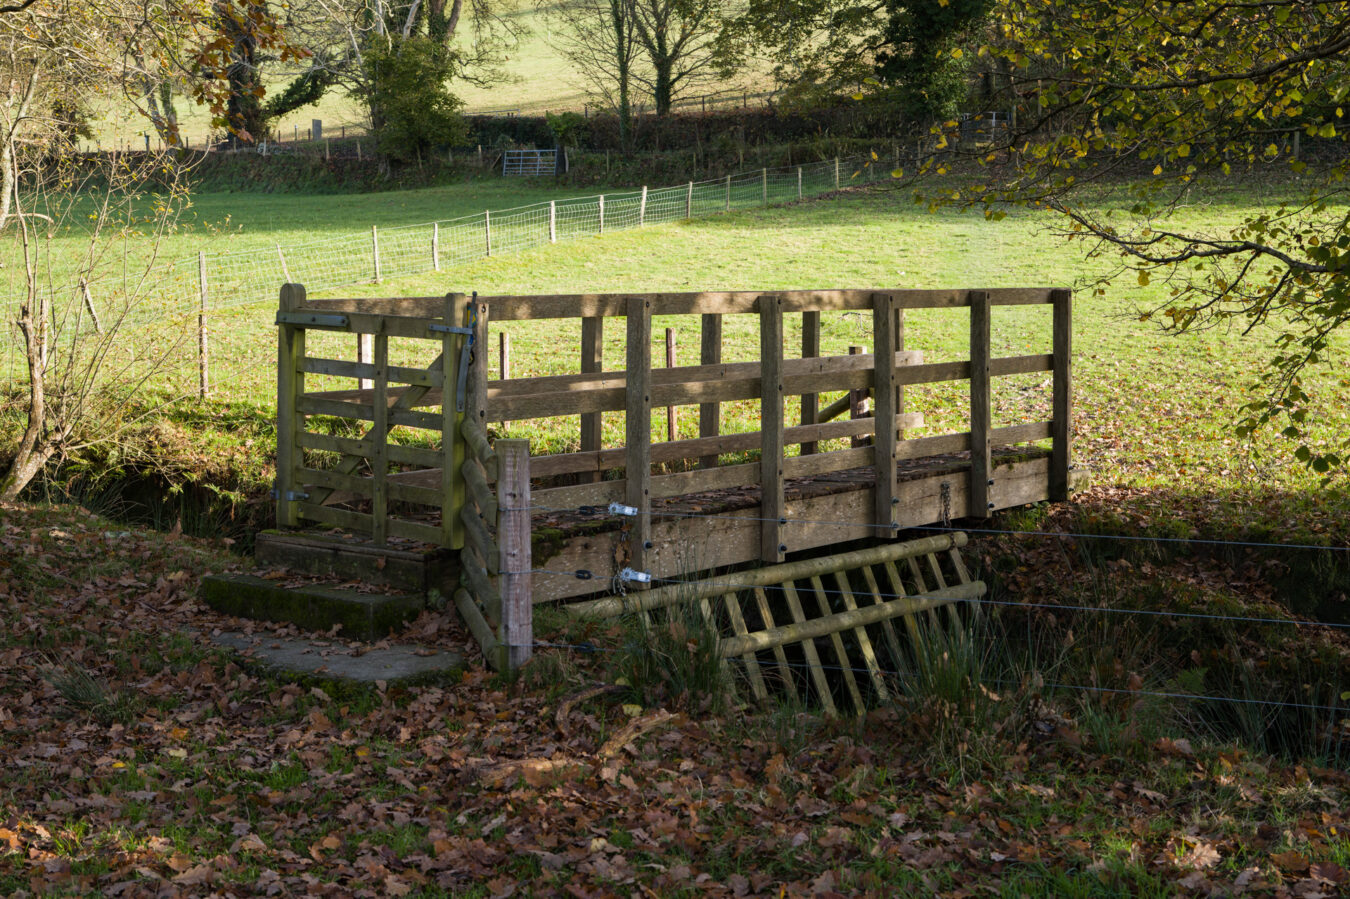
(672, 656)
(923, 61)
(568, 128)
(410, 106)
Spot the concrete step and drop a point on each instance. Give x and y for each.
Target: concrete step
(329, 554)
(401, 664)
(363, 616)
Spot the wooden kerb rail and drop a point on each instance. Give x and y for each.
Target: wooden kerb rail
(410, 460)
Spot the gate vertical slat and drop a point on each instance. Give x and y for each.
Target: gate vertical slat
(840, 654)
(892, 639)
(638, 420)
(752, 672)
(379, 438)
(810, 350)
(809, 648)
(883, 400)
(981, 405)
(771, 428)
(1062, 419)
(290, 385)
(710, 353)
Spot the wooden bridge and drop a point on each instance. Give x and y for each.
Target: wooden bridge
(393, 457)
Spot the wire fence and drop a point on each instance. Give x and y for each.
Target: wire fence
(187, 301)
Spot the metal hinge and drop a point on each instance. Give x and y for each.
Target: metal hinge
(465, 352)
(312, 319)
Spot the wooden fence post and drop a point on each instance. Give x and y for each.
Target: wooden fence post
(689, 201)
(857, 401)
(203, 298)
(290, 385)
(1061, 428)
(728, 201)
(88, 298)
(799, 182)
(592, 361)
(477, 383)
(552, 221)
(365, 355)
(981, 409)
(638, 429)
(453, 490)
(379, 438)
(772, 548)
(883, 413)
(503, 355)
(810, 349)
(375, 250)
(487, 232)
(671, 411)
(516, 631)
(710, 353)
(764, 184)
(642, 207)
(836, 173)
(602, 214)
(435, 246)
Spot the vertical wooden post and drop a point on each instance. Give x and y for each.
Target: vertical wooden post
(375, 250)
(88, 297)
(503, 355)
(799, 182)
(1061, 427)
(365, 354)
(899, 347)
(728, 199)
(672, 421)
(710, 353)
(810, 349)
(487, 232)
(771, 429)
(981, 407)
(516, 632)
(552, 221)
(592, 360)
(836, 173)
(857, 401)
(457, 311)
(290, 385)
(203, 368)
(435, 246)
(883, 412)
(642, 207)
(689, 201)
(285, 269)
(478, 371)
(602, 213)
(379, 438)
(638, 429)
(764, 184)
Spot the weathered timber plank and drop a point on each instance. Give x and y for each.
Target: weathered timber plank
(1062, 401)
(771, 417)
(981, 406)
(638, 427)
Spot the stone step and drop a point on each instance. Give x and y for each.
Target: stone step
(363, 616)
(337, 555)
(400, 664)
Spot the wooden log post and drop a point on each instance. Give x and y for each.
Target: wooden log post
(504, 356)
(710, 353)
(487, 232)
(365, 355)
(900, 347)
(836, 173)
(516, 632)
(981, 405)
(203, 298)
(552, 221)
(476, 401)
(602, 214)
(379, 439)
(764, 185)
(375, 252)
(1061, 428)
(592, 361)
(88, 297)
(883, 411)
(638, 430)
(672, 421)
(728, 192)
(689, 201)
(642, 207)
(435, 246)
(799, 182)
(290, 385)
(772, 504)
(453, 448)
(810, 350)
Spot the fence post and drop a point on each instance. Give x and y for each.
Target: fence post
(764, 184)
(89, 305)
(671, 411)
(436, 246)
(772, 548)
(379, 437)
(203, 370)
(810, 350)
(883, 413)
(365, 355)
(689, 201)
(638, 429)
(452, 438)
(728, 209)
(1061, 428)
(857, 401)
(285, 269)
(503, 355)
(552, 221)
(642, 207)
(799, 182)
(836, 173)
(487, 232)
(516, 631)
(290, 385)
(710, 353)
(980, 407)
(375, 250)
(592, 361)
(602, 213)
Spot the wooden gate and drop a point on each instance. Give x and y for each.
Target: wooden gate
(841, 640)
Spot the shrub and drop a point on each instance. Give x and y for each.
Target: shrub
(411, 108)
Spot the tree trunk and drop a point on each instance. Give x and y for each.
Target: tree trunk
(663, 70)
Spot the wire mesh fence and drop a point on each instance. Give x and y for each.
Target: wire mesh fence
(193, 295)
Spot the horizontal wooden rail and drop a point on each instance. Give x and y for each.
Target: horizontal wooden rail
(527, 308)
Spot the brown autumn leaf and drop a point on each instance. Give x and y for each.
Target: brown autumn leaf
(1290, 861)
